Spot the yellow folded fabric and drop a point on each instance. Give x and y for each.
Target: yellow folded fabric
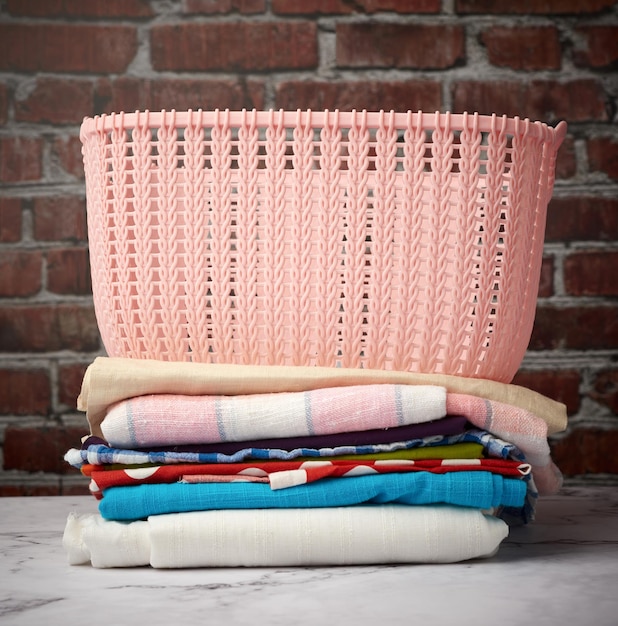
(111, 379)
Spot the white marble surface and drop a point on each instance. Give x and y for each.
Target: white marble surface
(561, 570)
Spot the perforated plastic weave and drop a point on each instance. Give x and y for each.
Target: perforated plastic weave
(406, 241)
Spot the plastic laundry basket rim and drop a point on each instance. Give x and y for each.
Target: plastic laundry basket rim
(486, 123)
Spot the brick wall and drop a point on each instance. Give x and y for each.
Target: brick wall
(63, 59)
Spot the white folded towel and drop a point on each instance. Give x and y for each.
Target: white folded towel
(287, 537)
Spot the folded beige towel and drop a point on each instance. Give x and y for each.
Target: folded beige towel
(109, 380)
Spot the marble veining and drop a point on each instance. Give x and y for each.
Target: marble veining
(563, 569)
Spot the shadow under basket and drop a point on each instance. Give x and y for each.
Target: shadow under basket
(407, 241)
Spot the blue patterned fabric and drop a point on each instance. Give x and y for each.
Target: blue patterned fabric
(481, 490)
(99, 454)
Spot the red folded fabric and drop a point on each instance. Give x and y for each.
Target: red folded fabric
(282, 474)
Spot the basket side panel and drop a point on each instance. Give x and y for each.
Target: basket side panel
(101, 262)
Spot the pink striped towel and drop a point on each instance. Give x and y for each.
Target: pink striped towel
(165, 419)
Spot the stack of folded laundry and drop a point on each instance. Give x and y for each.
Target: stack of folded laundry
(233, 465)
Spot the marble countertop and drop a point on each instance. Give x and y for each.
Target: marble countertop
(561, 570)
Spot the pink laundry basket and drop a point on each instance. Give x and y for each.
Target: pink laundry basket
(405, 241)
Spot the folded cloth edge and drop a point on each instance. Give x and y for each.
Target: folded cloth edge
(111, 379)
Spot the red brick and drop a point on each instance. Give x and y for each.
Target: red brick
(10, 219)
(66, 47)
(601, 50)
(605, 389)
(70, 379)
(48, 328)
(234, 46)
(344, 7)
(24, 392)
(79, 8)
(566, 161)
(39, 449)
(559, 385)
(4, 104)
(386, 45)
(20, 159)
(577, 100)
(586, 451)
(523, 48)
(401, 6)
(27, 489)
(575, 328)
(75, 489)
(582, 218)
(603, 156)
(537, 7)
(348, 95)
(132, 94)
(68, 153)
(57, 101)
(591, 273)
(546, 282)
(68, 271)
(20, 273)
(59, 218)
(212, 7)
